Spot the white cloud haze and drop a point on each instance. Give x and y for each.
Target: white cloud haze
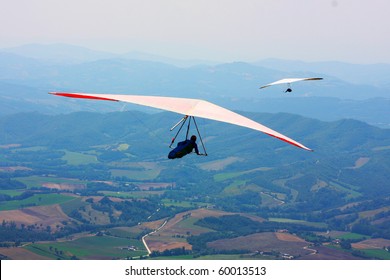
(225, 30)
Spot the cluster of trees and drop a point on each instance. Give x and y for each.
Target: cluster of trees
(9, 184)
(23, 195)
(11, 234)
(171, 252)
(199, 242)
(374, 230)
(236, 224)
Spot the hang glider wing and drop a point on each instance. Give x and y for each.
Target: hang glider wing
(289, 81)
(189, 107)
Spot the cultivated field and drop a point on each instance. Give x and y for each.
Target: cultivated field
(19, 253)
(91, 248)
(264, 242)
(374, 243)
(327, 253)
(42, 216)
(174, 233)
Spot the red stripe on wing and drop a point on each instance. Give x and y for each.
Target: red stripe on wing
(84, 96)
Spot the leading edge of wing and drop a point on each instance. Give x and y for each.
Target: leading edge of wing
(190, 107)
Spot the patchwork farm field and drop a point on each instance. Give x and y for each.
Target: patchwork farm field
(21, 253)
(90, 247)
(52, 182)
(173, 234)
(36, 200)
(264, 242)
(109, 202)
(39, 216)
(312, 224)
(75, 158)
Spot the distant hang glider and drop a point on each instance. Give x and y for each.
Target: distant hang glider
(288, 81)
(187, 107)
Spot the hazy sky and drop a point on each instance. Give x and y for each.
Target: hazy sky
(222, 30)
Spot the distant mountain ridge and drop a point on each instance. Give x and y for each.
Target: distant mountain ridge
(58, 53)
(35, 128)
(27, 73)
(70, 54)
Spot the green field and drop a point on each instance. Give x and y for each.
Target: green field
(225, 176)
(380, 254)
(38, 181)
(132, 194)
(270, 201)
(74, 158)
(72, 205)
(220, 177)
(234, 188)
(123, 147)
(353, 236)
(352, 191)
(301, 222)
(186, 204)
(35, 200)
(188, 224)
(125, 232)
(12, 192)
(93, 247)
(148, 174)
(377, 254)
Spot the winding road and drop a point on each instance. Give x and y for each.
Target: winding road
(146, 235)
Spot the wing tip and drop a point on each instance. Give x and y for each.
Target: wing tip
(303, 147)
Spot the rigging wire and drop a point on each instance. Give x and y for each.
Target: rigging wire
(183, 121)
(200, 137)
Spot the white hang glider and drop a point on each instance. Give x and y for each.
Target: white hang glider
(288, 81)
(189, 108)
